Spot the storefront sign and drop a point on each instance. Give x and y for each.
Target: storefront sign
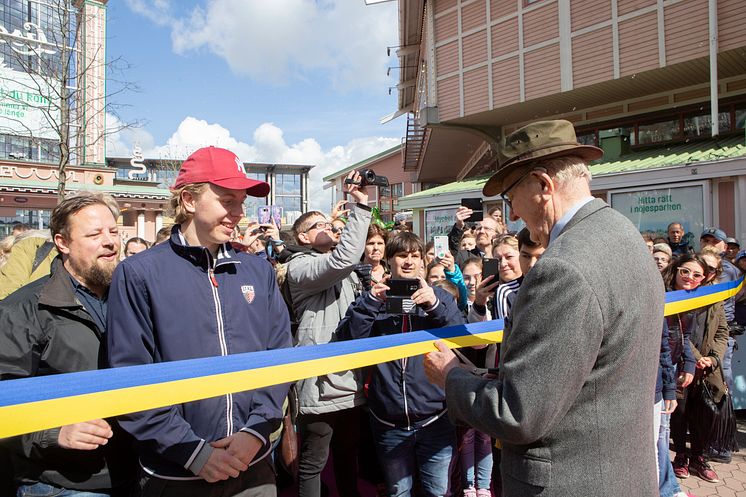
(27, 105)
(654, 210)
(439, 222)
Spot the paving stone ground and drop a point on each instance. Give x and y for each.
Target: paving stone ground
(732, 476)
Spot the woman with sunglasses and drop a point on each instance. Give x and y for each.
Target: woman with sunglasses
(705, 331)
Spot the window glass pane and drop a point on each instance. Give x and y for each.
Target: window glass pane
(740, 118)
(658, 132)
(397, 190)
(587, 138)
(289, 204)
(627, 131)
(701, 124)
(251, 206)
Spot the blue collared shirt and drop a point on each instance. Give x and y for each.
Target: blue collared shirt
(557, 229)
(95, 306)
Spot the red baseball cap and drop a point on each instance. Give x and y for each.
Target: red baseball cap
(220, 167)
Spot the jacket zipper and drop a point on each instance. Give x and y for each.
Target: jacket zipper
(221, 339)
(403, 377)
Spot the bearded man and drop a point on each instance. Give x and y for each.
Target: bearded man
(57, 324)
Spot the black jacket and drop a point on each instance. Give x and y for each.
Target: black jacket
(400, 394)
(45, 330)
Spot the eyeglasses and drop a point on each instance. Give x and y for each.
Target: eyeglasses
(685, 272)
(504, 194)
(321, 225)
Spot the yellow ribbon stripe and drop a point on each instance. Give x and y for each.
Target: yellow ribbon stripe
(697, 301)
(34, 416)
(50, 408)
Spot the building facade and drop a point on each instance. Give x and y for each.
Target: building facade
(660, 85)
(389, 164)
(52, 93)
(639, 78)
(288, 182)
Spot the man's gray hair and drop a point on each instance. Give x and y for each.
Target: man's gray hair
(564, 169)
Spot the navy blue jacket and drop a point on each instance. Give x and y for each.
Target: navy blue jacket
(175, 302)
(399, 393)
(665, 386)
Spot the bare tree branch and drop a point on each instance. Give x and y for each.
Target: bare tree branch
(60, 73)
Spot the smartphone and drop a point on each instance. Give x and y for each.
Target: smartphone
(490, 267)
(276, 214)
(263, 214)
(399, 297)
(441, 246)
(475, 204)
(402, 287)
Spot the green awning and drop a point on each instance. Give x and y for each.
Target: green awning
(683, 154)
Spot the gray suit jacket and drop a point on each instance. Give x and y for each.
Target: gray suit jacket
(573, 403)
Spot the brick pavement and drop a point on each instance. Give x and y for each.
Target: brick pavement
(732, 476)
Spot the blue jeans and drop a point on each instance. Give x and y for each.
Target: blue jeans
(727, 371)
(45, 490)
(667, 482)
(476, 450)
(402, 453)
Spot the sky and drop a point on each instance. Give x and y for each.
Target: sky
(278, 81)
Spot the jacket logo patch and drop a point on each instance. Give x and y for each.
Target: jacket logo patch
(248, 293)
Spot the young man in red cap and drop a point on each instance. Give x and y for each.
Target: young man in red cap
(195, 296)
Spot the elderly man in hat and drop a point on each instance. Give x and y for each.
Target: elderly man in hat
(572, 401)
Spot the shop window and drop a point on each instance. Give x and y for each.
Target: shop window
(740, 118)
(661, 131)
(628, 131)
(587, 138)
(700, 125)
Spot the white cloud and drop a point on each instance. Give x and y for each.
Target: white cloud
(279, 40)
(268, 145)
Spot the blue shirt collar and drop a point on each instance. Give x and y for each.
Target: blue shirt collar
(560, 225)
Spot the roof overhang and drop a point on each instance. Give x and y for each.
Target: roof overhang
(701, 170)
(411, 16)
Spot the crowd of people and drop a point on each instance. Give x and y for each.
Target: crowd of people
(498, 419)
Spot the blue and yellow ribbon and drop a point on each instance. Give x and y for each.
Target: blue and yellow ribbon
(33, 404)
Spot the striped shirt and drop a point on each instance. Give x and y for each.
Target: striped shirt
(505, 296)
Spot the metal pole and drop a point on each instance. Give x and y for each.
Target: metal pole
(713, 22)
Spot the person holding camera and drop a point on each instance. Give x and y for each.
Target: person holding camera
(411, 432)
(322, 285)
(485, 231)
